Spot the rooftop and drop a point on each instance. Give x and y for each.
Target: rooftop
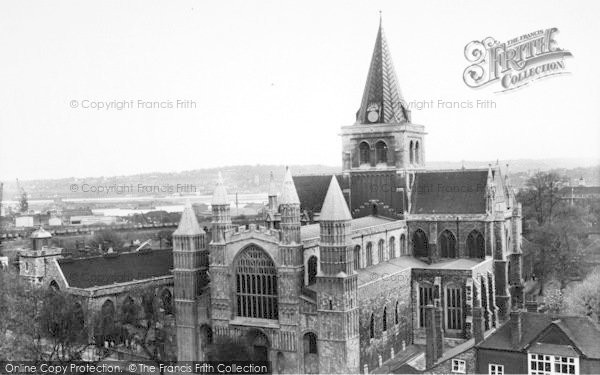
(107, 270)
(312, 231)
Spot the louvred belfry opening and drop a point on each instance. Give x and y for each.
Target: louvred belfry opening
(382, 100)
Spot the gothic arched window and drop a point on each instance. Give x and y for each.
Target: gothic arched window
(372, 327)
(384, 319)
(411, 152)
(447, 245)
(381, 152)
(420, 244)
(256, 284)
(356, 257)
(402, 244)
(312, 270)
(364, 153)
(392, 247)
(369, 254)
(310, 343)
(476, 245)
(417, 153)
(397, 313)
(380, 251)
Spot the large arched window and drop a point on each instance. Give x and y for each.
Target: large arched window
(454, 318)
(392, 247)
(380, 251)
(417, 153)
(384, 319)
(364, 153)
(447, 244)
(411, 152)
(369, 254)
(402, 244)
(476, 245)
(256, 284)
(356, 257)
(107, 320)
(381, 152)
(372, 327)
(312, 270)
(420, 244)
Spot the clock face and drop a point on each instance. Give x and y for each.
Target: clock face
(372, 116)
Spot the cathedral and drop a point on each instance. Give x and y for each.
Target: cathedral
(392, 254)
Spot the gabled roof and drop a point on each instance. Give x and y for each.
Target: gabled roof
(288, 191)
(580, 330)
(334, 207)
(312, 189)
(450, 192)
(220, 193)
(382, 93)
(188, 225)
(107, 270)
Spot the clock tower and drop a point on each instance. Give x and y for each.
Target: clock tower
(383, 148)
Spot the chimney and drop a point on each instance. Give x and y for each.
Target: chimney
(516, 329)
(434, 335)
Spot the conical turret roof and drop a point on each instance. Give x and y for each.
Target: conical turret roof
(188, 225)
(335, 207)
(289, 195)
(220, 193)
(382, 100)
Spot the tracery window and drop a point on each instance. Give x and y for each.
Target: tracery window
(476, 245)
(447, 245)
(256, 284)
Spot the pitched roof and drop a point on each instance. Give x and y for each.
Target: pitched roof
(289, 195)
(312, 189)
(382, 94)
(449, 192)
(220, 193)
(312, 231)
(579, 329)
(107, 270)
(335, 207)
(188, 225)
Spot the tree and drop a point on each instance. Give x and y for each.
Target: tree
(541, 196)
(584, 299)
(105, 239)
(23, 203)
(166, 236)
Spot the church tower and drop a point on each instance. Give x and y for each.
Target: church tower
(383, 149)
(190, 263)
(337, 287)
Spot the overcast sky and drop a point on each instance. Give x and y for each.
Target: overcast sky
(273, 82)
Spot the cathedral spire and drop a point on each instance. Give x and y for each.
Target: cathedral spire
(382, 100)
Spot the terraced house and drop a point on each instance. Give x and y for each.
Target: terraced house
(391, 243)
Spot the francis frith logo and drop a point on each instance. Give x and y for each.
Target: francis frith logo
(514, 63)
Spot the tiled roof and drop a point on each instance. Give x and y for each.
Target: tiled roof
(312, 189)
(382, 100)
(579, 329)
(449, 192)
(312, 231)
(124, 267)
(334, 207)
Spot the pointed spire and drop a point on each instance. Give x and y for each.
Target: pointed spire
(220, 193)
(289, 195)
(188, 225)
(272, 187)
(334, 207)
(382, 100)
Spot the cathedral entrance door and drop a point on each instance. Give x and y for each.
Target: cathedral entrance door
(260, 345)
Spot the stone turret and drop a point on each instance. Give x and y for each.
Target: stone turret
(221, 211)
(337, 285)
(289, 208)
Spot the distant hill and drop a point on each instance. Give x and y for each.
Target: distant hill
(255, 178)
